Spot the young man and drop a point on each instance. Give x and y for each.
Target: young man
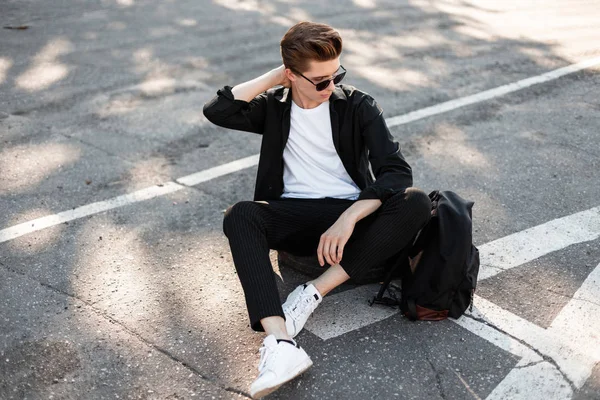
(314, 192)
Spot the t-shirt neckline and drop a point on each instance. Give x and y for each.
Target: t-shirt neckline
(309, 110)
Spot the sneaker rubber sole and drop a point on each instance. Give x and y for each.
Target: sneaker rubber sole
(299, 370)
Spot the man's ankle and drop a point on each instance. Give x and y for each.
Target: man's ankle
(322, 291)
(281, 335)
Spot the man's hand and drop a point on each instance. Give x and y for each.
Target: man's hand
(331, 245)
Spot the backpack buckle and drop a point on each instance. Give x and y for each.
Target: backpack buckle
(391, 301)
(386, 301)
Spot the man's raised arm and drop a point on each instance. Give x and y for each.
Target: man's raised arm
(243, 107)
(248, 90)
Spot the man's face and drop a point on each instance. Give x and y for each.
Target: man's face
(317, 71)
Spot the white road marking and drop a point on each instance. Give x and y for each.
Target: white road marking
(578, 327)
(572, 341)
(536, 381)
(490, 94)
(89, 209)
(203, 176)
(500, 340)
(333, 318)
(519, 248)
(531, 378)
(144, 194)
(573, 338)
(215, 172)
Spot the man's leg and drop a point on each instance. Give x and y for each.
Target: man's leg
(330, 279)
(376, 238)
(253, 229)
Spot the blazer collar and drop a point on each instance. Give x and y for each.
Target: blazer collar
(284, 95)
(338, 94)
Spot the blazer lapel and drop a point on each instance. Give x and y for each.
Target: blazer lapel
(335, 127)
(285, 119)
(338, 94)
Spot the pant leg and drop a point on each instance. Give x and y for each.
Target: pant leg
(253, 228)
(384, 233)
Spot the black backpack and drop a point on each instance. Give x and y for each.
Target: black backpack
(439, 270)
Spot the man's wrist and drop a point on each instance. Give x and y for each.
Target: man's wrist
(353, 213)
(274, 77)
(248, 90)
(350, 216)
(268, 80)
(361, 209)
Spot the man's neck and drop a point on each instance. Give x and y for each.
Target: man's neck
(302, 101)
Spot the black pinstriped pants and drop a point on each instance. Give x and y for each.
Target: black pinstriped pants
(295, 226)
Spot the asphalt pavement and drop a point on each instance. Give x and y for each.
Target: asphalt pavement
(116, 280)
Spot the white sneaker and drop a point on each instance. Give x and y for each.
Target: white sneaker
(299, 306)
(279, 363)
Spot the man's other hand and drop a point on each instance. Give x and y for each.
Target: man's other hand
(331, 245)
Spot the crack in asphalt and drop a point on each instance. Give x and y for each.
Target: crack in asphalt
(573, 298)
(466, 385)
(103, 315)
(531, 364)
(536, 351)
(438, 378)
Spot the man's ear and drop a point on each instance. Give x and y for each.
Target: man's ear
(290, 75)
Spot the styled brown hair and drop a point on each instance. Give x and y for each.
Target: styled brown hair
(308, 41)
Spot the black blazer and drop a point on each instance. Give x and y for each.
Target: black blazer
(360, 136)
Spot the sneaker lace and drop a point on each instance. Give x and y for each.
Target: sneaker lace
(305, 302)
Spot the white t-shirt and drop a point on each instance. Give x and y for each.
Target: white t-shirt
(311, 166)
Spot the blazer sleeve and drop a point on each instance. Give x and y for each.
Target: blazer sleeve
(226, 111)
(392, 172)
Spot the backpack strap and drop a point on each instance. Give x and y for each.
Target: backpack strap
(399, 264)
(411, 309)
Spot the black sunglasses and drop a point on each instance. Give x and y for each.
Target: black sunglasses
(324, 84)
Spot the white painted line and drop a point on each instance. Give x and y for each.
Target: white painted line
(579, 326)
(531, 378)
(573, 338)
(215, 172)
(89, 209)
(490, 94)
(521, 247)
(537, 381)
(120, 201)
(347, 311)
(575, 359)
(496, 256)
(572, 341)
(203, 176)
(499, 339)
